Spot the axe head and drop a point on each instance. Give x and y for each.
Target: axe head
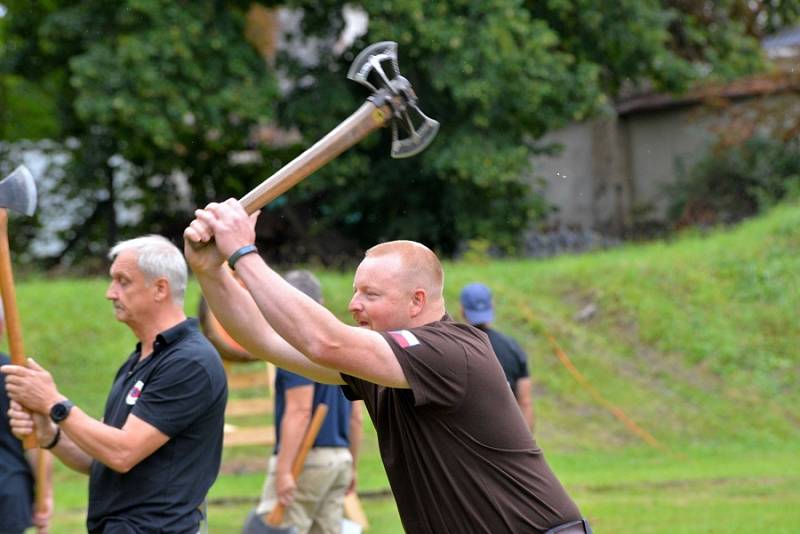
(377, 68)
(18, 191)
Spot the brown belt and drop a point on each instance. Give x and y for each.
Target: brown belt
(575, 527)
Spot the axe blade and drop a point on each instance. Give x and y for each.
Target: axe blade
(371, 60)
(18, 191)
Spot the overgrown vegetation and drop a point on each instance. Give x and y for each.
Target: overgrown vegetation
(732, 182)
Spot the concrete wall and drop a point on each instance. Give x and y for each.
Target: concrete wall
(654, 142)
(613, 171)
(587, 180)
(568, 176)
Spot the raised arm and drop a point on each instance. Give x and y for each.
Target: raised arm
(313, 331)
(316, 332)
(237, 312)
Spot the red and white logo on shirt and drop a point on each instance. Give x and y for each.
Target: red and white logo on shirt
(404, 338)
(134, 393)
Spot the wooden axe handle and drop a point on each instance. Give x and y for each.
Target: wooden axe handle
(14, 329)
(366, 119)
(13, 326)
(275, 517)
(42, 480)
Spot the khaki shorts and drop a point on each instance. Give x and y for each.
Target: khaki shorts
(319, 497)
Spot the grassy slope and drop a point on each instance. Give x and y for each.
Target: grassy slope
(695, 340)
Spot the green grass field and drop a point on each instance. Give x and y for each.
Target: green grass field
(694, 340)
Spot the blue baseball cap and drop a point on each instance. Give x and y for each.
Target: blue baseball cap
(476, 300)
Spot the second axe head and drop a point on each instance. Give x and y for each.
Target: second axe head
(18, 191)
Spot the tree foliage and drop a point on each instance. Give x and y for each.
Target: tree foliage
(174, 89)
(171, 87)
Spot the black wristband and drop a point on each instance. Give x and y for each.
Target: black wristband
(55, 440)
(247, 249)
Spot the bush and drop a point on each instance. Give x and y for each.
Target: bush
(734, 182)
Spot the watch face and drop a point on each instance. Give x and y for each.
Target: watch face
(59, 411)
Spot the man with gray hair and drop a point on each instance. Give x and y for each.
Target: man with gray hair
(157, 450)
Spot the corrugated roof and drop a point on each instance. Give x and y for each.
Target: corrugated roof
(742, 88)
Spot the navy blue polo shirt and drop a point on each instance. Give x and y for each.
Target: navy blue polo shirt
(335, 430)
(16, 478)
(181, 389)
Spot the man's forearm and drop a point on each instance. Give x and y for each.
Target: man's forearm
(525, 400)
(65, 450)
(293, 428)
(356, 431)
(71, 455)
(120, 449)
(285, 307)
(95, 439)
(238, 313)
(234, 309)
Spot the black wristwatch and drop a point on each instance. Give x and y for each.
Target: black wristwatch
(60, 410)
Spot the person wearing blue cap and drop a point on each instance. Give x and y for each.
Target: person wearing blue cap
(478, 310)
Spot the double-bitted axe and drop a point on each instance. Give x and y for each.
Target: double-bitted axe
(18, 193)
(392, 103)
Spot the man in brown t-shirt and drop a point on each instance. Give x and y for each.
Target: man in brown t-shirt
(455, 446)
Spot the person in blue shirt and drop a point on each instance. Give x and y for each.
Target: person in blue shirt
(314, 502)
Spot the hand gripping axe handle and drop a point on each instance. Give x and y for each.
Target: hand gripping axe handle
(393, 102)
(18, 193)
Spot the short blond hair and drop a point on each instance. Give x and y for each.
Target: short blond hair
(420, 264)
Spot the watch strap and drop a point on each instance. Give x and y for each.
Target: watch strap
(247, 249)
(54, 441)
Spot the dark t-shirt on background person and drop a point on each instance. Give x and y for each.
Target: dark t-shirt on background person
(456, 449)
(16, 477)
(512, 358)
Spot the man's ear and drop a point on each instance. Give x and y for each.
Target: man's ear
(162, 289)
(418, 300)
